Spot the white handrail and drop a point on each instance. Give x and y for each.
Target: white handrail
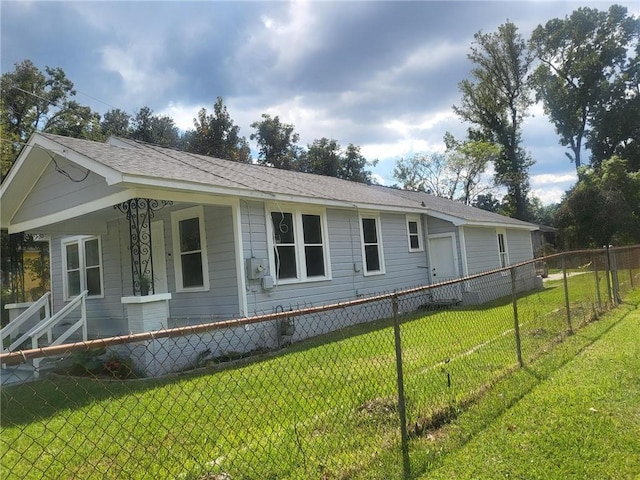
(45, 327)
(13, 326)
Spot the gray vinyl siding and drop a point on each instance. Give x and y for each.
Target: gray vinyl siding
(482, 249)
(105, 316)
(403, 268)
(55, 192)
(519, 245)
(221, 301)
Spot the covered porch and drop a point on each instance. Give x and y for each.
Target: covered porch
(148, 264)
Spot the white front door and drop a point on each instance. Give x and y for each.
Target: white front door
(443, 258)
(159, 258)
(443, 265)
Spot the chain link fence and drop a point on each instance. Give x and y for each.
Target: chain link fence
(320, 392)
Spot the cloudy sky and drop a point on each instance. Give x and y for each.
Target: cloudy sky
(381, 75)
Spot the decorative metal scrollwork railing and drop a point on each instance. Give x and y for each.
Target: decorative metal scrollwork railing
(140, 212)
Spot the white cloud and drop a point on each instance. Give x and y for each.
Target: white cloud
(379, 179)
(554, 178)
(548, 196)
(182, 115)
(135, 67)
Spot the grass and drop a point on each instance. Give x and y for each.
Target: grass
(324, 408)
(583, 421)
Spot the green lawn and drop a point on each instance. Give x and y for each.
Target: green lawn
(582, 422)
(324, 408)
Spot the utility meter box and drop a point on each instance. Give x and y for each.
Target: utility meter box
(257, 268)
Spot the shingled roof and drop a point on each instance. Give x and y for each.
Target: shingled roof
(138, 160)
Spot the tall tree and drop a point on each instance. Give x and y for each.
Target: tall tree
(276, 142)
(116, 122)
(496, 102)
(467, 161)
(77, 121)
(34, 100)
(156, 129)
(486, 201)
(354, 165)
(326, 157)
(602, 208)
(425, 173)
(580, 58)
(615, 124)
(455, 174)
(216, 135)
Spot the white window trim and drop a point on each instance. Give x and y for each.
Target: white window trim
(176, 217)
(417, 219)
(382, 270)
(80, 241)
(298, 233)
(503, 232)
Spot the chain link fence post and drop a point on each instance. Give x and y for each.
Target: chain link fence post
(516, 323)
(616, 280)
(402, 413)
(566, 294)
(608, 267)
(595, 273)
(629, 266)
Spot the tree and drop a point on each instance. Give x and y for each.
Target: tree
(603, 207)
(155, 129)
(425, 173)
(580, 58)
(276, 142)
(542, 214)
(116, 122)
(455, 175)
(616, 119)
(486, 201)
(32, 100)
(354, 165)
(467, 162)
(496, 102)
(216, 135)
(325, 157)
(75, 121)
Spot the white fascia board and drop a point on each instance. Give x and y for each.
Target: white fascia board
(509, 226)
(110, 175)
(457, 221)
(12, 195)
(171, 185)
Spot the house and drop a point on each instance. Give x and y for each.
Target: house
(192, 238)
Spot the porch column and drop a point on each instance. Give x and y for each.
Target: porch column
(140, 212)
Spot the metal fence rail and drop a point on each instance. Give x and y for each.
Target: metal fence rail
(321, 392)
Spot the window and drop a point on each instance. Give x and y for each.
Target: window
(413, 231)
(372, 245)
(190, 249)
(502, 248)
(82, 260)
(299, 245)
